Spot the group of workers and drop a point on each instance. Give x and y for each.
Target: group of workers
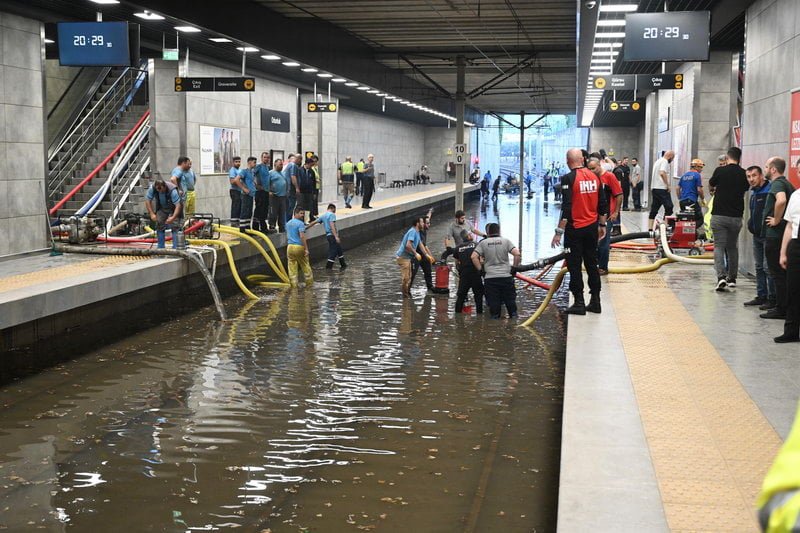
(357, 179)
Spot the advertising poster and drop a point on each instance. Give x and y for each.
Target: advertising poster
(218, 147)
(794, 138)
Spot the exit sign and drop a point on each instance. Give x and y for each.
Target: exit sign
(169, 54)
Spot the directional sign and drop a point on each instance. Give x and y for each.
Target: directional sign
(461, 153)
(214, 84)
(626, 82)
(321, 107)
(646, 82)
(625, 107)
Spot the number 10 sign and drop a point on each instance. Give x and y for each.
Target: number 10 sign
(461, 153)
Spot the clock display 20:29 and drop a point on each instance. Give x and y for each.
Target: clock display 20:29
(670, 32)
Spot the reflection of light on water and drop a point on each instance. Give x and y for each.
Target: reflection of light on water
(90, 480)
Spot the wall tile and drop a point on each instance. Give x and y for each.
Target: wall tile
(5, 235)
(24, 161)
(20, 23)
(22, 49)
(24, 198)
(23, 87)
(24, 124)
(27, 233)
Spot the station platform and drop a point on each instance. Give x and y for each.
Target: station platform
(42, 295)
(676, 402)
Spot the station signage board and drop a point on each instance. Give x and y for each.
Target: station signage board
(274, 120)
(209, 84)
(86, 44)
(461, 153)
(617, 106)
(673, 36)
(794, 137)
(321, 107)
(624, 82)
(639, 82)
(170, 54)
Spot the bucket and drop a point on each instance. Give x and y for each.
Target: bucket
(442, 276)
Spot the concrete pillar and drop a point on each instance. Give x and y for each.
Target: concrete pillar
(460, 101)
(330, 141)
(167, 117)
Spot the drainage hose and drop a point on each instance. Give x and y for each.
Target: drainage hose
(229, 253)
(700, 260)
(261, 279)
(140, 252)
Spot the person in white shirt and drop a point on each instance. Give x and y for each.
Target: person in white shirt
(790, 260)
(659, 186)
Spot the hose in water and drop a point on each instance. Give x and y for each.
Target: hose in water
(229, 253)
(140, 252)
(260, 279)
(272, 249)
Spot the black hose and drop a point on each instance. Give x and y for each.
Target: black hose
(632, 236)
(541, 263)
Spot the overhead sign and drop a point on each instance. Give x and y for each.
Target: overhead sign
(170, 54)
(272, 120)
(214, 84)
(673, 36)
(625, 82)
(655, 82)
(461, 153)
(321, 107)
(616, 106)
(103, 44)
(794, 137)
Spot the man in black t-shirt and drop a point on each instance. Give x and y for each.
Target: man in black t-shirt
(729, 185)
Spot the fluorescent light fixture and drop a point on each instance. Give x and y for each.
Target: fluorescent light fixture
(309, 69)
(325, 75)
(607, 23)
(350, 84)
(290, 64)
(602, 53)
(608, 46)
(147, 15)
(49, 41)
(373, 91)
(246, 49)
(338, 80)
(270, 57)
(363, 88)
(604, 61)
(381, 94)
(610, 35)
(220, 39)
(618, 8)
(105, 1)
(187, 29)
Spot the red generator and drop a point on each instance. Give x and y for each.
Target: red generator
(682, 233)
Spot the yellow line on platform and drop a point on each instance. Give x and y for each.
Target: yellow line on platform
(710, 444)
(56, 273)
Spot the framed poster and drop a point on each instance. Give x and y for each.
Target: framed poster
(794, 138)
(274, 155)
(218, 147)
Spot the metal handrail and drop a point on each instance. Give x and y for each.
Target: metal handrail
(85, 136)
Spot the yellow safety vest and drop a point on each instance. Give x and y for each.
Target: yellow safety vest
(360, 166)
(779, 501)
(707, 220)
(347, 168)
(317, 178)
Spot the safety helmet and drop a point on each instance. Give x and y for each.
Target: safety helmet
(697, 163)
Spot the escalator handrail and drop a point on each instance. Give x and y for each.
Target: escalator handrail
(99, 167)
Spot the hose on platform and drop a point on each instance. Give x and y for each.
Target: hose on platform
(141, 252)
(229, 253)
(261, 279)
(632, 236)
(700, 260)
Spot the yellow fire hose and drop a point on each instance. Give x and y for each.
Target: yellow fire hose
(261, 279)
(234, 271)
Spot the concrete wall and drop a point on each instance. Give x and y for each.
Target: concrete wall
(330, 141)
(23, 223)
(438, 150)
(58, 79)
(398, 146)
(618, 142)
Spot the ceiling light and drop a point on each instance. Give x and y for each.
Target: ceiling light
(619, 8)
(270, 57)
(350, 84)
(187, 29)
(608, 45)
(363, 88)
(338, 80)
(149, 16)
(610, 35)
(246, 49)
(220, 39)
(290, 64)
(602, 53)
(324, 75)
(309, 69)
(380, 94)
(105, 1)
(604, 61)
(611, 22)
(49, 41)
(373, 91)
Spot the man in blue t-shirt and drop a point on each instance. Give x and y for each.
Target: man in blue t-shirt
(163, 204)
(297, 248)
(261, 209)
(690, 191)
(184, 178)
(277, 197)
(328, 221)
(291, 172)
(235, 191)
(247, 183)
(408, 251)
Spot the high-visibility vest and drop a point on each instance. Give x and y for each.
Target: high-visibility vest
(779, 501)
(360, 166)
(348, 168)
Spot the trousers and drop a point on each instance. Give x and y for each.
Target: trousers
(661, 197)
(236, 206)
(405, 275)
(261, 210)
(499, 292)
(469, 279)
(246, 214)
(298, 260)
(334, 249)
(582, 244)
(765, 284)
(369, 190)
(726, 243)
(161, 227)
(792, 324)
(636, 193)
(604, 248)
(277, 212)
(772, 251)
(426, 271)
(626, 192)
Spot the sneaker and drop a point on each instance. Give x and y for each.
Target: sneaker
(774, 313)
(767, 306)
(731, 283)
(758, 300)
(787, 338)
(722, 285)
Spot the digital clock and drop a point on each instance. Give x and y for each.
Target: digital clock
(675, 36)
(93, 44)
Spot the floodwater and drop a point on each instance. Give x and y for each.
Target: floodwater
(335, 408)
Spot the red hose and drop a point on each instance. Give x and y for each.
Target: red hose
(533, 281)
(121, 240)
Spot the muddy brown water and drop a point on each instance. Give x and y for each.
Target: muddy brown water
(334, 408)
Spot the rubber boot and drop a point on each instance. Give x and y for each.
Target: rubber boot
(342, 264)
(594, 304)
(329, 265)
(579, 307)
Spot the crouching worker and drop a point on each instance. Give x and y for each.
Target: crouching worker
(297, 250)
(499, 286)
(328, 220)
(164, 207)
(468, 276)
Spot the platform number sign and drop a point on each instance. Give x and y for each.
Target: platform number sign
(461, 153)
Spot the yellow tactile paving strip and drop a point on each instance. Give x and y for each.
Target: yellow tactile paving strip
(56, 273)
(710, 444)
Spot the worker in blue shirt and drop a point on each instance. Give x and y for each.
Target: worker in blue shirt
(529, 183)
(235, 191)
(163, 204)
(261, 209)
(328, 220)
(247, 183)
(297, 249)
(277, 197)
(184, 178)
(408, 251)
(690, 191)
